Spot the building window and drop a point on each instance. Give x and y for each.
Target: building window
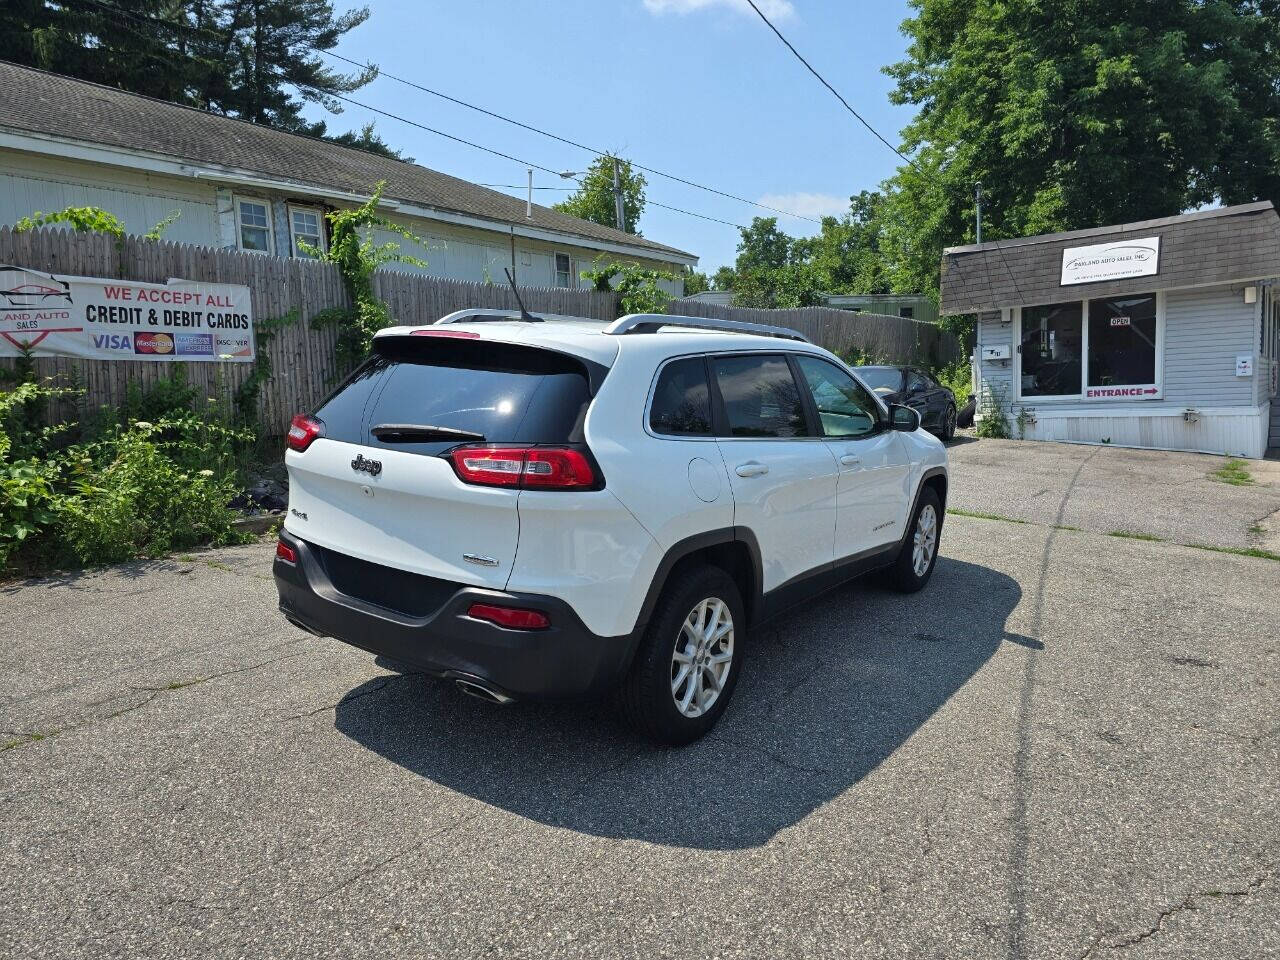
(1052, 350)
(1106, 348)
(564, 275)
(254, 221)
(907, 313)
(1122, 341)
(305, 224)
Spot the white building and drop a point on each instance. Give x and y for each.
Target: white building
(1162, 334)
(65, 142)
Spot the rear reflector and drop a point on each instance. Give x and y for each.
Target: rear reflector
(453, 334)
(302, 431)
(540, 468)
(514, 618)
(286, 552)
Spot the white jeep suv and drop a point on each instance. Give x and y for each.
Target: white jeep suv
(554, 507)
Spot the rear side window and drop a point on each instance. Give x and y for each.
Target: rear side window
(681, 400)
(760, 396)
(503, 393)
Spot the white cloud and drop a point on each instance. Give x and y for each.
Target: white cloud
(773, 9)
(805, 204)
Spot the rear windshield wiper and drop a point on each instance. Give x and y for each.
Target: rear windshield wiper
(420, 433)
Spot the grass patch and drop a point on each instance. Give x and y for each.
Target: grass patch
(1063, 526)
(1257, 529)
(1133, 535)
(1256, 552)
(1234, 472)
(978, 515)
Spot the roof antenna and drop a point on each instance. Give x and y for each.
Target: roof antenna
(525, 315)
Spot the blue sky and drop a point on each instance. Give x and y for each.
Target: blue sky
(698, 88)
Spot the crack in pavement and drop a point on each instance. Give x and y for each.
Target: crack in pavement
(1167, 913)
(153, 693)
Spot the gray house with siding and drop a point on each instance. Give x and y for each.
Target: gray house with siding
(1162, 334)
(239, 185)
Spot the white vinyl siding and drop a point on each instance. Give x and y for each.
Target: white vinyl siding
(1205, 330)
(997, 375)
(139, 206)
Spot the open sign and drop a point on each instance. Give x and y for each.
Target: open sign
(1120, 321)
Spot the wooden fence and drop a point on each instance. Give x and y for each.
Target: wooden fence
(885, 339)
(302, 359)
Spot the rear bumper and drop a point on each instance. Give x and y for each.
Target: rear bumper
(563, 661)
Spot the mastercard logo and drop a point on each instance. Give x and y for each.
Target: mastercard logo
(153, 343)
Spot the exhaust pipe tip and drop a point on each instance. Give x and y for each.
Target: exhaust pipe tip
(475, 687)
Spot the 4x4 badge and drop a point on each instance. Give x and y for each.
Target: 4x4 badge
(371, 467)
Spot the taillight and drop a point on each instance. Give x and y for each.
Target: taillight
(286, 552)
(302, 430)
(514, 618)
(539, 468)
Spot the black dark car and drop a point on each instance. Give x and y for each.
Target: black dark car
(917, 389)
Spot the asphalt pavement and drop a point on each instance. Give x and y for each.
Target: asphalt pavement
(1066, 746)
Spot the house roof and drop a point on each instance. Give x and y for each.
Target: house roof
(1196, 249)
(58, 106)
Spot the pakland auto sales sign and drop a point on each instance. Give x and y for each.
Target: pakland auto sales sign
(1111, 261)
(55, 316)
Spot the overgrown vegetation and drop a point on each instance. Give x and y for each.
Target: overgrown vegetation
(352, 249)
(637, 287)
(1234, 472)
(92, 220)
(957, 377)
(110, 485)
(993, 408)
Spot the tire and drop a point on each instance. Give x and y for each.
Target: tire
(949, 423)
(907, 574)
(648, 696)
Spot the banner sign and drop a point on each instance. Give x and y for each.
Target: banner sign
(182, 320)
(1110, 261)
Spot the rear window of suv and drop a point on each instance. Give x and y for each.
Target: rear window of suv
(503, 392)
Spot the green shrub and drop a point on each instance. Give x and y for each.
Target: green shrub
(957, 378)
(142, 501)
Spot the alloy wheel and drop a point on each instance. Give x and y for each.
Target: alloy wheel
(703, 657)
(925, 540)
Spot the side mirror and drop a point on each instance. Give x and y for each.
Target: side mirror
(904, 418)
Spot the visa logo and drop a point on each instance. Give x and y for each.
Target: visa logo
(112, 341)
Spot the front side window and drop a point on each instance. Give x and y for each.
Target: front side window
(1052, 349)
(1122, 341)
(845, 407)
(563, 273)
(761, 398)
(681, 400)
(255, 225)
(907, 313)
(305, 225)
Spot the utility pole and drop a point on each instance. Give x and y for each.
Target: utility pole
(618, 209)
(528, 204)
(977, 196)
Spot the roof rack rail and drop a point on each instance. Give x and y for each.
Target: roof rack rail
(482, 315)
(652, 322)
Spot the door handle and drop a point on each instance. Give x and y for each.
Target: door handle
(752, 468)
(849, 460)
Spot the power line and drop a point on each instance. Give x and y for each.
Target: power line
(429, 129)
(564, 140)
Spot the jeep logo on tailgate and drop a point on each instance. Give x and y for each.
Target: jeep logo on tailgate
(371, 467)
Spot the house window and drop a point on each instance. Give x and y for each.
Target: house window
(254, 219)
(564, 275)
(305, 224)
(1102, 349)
(907, 313)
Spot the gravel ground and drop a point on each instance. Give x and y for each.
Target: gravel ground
(1066, 746)
(1169, 495)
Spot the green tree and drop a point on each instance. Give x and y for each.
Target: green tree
(369, 142)
(763, 246)
(695, 282)
(252, 59)
(724, 278)
(1074, 113)
(846, 253)
(593, 199)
